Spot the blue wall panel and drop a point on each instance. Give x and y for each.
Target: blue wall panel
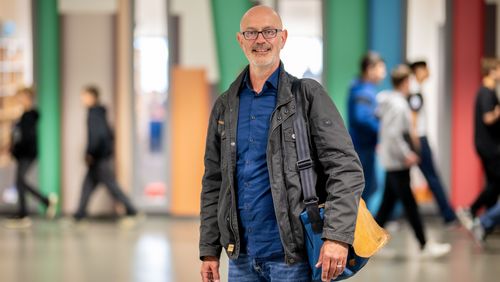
(386, 33)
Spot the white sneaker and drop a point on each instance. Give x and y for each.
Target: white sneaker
(435, 250)
(478, 232)
(465, 217)
(52, 207)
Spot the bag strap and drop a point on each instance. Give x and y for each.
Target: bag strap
(304, 164)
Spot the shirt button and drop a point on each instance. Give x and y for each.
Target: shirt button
(279, 118)
(252, 117)
(233, 144)
(251, 139)
(291, 261)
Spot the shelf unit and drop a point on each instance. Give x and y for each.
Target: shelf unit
(12, 72)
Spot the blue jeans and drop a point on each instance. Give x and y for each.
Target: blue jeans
(248, 269)
(427, 167)
(491, 217)
(367, 158)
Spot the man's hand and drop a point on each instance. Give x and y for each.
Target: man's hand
(411, 159)
(332, 259)
(210, 269)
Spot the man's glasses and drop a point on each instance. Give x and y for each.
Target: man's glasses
(266, 33)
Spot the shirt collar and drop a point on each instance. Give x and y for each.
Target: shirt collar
(272, 81)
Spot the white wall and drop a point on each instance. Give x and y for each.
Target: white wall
(88, 57)
(425, 19)
(87, 6)
(197, 38)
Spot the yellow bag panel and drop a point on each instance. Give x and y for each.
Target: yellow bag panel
(369, 237)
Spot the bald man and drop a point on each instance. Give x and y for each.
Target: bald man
(251, 196)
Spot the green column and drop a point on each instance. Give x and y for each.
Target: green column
(46, 46)
(226, 18)
(344, 43)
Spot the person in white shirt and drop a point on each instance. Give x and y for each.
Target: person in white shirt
(420, 74)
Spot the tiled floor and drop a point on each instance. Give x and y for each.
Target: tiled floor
(166, 249)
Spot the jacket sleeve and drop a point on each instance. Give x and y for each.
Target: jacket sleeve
(364, 113)
(340, 163)
(211, 183)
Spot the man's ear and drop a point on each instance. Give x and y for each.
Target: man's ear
(239, 38)
(284, 36)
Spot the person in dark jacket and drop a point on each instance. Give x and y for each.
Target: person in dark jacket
(98, 155)
(363, 121)
(251, 195)
(24, 150)
(487, 140)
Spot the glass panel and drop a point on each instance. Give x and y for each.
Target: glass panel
(150, 104)
(303, 52)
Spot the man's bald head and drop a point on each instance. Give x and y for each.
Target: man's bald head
(259, 13)
(267, 38)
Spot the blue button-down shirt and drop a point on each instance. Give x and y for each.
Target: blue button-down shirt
(261, 236)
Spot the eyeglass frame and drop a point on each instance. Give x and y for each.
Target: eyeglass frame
(276, 30)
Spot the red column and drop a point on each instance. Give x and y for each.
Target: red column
(467, 48)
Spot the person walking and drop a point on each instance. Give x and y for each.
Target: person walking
(420, 74)
(362, 118)
(397, 154)
(98, 155)
(487, 140)
(24, 149)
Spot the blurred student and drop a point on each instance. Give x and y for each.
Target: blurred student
(363, 122)
(24, 150)
(487, 139)
(397, 154)
(420, 74)
(98, 155)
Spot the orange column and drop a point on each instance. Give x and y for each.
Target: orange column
(190, 104)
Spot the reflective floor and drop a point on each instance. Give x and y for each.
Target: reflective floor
(166, 249)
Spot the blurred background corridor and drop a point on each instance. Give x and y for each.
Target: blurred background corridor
(160, 65)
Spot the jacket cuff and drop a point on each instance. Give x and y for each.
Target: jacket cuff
(210, 251)
(330, 234)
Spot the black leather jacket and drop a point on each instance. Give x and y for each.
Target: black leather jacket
(340, 177)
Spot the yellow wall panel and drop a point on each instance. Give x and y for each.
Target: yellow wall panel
(190, 105)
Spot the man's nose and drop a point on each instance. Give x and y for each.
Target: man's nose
(260, 38)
